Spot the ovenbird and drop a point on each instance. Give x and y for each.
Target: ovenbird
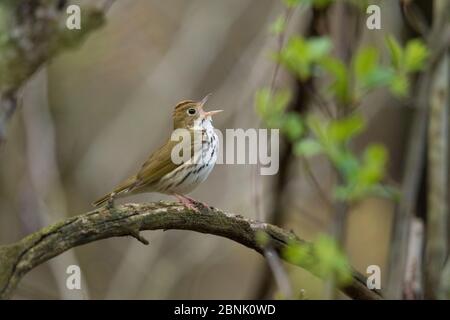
(161, 174)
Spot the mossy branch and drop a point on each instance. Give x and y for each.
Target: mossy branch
(31, 33)
(128, 220)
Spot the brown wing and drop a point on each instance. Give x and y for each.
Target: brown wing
(158, 165)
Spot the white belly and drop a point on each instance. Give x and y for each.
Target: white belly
(190, 174)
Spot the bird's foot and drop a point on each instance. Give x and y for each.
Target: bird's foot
(110, 205)
(187, 202)
(196, 203)
(199, 202)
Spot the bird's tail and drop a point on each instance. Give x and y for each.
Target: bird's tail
(123, 188)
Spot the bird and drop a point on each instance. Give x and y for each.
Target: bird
(163, 175)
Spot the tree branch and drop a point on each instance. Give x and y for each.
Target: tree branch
(19, 258)
(34, 33)
(438, 42)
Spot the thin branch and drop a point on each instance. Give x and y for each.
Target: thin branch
(19, 258)
(319, 101)
(346, 17)
(281, 38)
(415, 157)
(273, 261)
(412, 175)
(315, 183)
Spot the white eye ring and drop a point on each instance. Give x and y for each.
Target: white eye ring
(191, 111)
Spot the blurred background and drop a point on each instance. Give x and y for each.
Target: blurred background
(91, 116)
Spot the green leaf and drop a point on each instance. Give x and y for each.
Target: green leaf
(281, 100)
(375, 153)
(395, 51)
(374, 164)
(416, 54)
(379, 77)
(262, 101)
(292, 126)
(343, 193)
(365, 62)
(384, 191)
(318, 47)
(292, 3)
(340, 85)
(347, 164)
(300, 55)
(322, 257)
(332, 260)
(346, 128)
(271, 108)
(399, 85)
(267, 104)
(295, 57)
(307, 147)
(362, 179)
(278, 26)
(318, 128)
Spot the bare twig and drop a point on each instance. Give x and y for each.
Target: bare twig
(19, 258)
(279, 274)
(281, 38)
(315, 183)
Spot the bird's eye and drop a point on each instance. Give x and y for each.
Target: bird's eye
(191, 111)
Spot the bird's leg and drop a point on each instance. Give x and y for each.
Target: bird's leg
(187, 202)
(110, 203)
(197, 202)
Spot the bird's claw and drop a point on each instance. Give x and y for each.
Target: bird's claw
(190, 203)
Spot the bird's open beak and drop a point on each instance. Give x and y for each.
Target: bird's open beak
(210, 113)
(207, 113)
(205, 99)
